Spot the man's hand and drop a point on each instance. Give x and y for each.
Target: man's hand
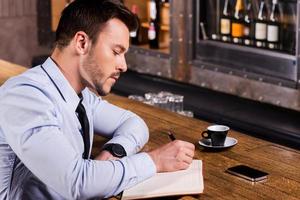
(105, 155)
(173, 156)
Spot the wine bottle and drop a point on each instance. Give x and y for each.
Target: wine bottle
(134, 35)
(153, 31)
(273, 27)
(237, 25)
(261, 26)
(225, 22)
(249, 25)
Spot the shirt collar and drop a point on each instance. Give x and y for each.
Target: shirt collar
(62, 84)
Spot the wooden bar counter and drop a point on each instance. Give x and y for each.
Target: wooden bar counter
(282, 163)
(8, 69)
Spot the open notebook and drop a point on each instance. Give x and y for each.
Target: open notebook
(189, 181)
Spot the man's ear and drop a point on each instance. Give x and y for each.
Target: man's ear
(82, 43)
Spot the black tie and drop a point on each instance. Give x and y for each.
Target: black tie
(85, 127)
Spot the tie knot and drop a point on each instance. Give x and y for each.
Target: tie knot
(80, 108)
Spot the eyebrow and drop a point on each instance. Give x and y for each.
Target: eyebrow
(123, 49)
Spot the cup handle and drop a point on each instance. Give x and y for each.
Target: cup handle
(205, 135)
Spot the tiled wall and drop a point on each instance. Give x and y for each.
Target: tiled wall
(18, 31)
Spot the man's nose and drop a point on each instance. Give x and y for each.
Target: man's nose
(122, 65)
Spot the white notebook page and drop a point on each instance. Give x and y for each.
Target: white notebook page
(189, 181)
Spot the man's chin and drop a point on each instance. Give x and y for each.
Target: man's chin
(103, 92)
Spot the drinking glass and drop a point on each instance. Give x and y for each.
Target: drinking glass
(186, 113)
(178, 103)
(169, 96)
(136, 97)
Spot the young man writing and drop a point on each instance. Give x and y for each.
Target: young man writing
(49, 115)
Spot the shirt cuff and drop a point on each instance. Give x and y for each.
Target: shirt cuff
(144, 167)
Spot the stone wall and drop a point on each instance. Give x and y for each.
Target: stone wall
(19, 32)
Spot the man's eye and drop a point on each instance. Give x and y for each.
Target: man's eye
(116, 53)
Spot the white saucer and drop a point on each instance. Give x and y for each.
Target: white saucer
(229, 142)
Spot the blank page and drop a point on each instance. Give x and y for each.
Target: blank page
(189, 181)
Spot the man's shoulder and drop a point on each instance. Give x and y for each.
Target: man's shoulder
(32, 77)
(31, 87)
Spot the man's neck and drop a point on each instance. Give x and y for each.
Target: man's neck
(68, 64)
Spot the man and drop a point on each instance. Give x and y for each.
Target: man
(48, 115)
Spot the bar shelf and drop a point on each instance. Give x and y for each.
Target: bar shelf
(144, 17)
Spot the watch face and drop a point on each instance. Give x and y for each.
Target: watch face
(118, 150)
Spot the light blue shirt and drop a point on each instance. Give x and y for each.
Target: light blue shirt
(41, 145)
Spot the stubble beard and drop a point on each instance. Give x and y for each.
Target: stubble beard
(93, 76)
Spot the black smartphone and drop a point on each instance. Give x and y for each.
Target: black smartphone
(248, 173)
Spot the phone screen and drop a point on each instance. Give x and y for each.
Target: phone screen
(247, 173)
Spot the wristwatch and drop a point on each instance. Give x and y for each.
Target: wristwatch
(115, 149)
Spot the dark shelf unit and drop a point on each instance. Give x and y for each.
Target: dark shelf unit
(265, 121)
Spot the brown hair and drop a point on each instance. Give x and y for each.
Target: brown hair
(90, 16)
